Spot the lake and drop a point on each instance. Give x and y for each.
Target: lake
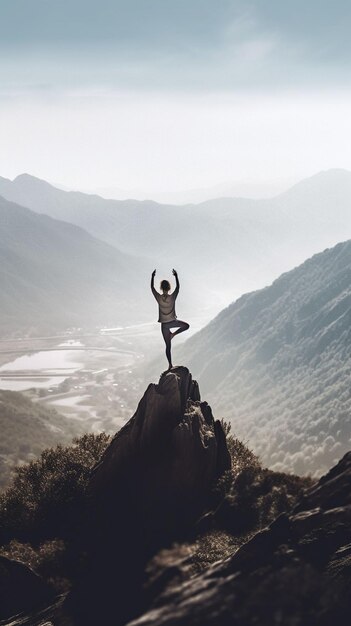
(41, 369)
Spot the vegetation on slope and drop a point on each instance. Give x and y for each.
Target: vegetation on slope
(277, 364)
(245, 499)
(27, 428)
(42, 513)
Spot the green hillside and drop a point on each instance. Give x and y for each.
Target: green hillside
(27, 428)
(277, 364)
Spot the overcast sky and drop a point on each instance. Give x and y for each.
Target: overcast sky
(170, 95)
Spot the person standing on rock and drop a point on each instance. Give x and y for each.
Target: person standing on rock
(166, 312)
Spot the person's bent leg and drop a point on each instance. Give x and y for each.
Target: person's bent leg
(182, 327)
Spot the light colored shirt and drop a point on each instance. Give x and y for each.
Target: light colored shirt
(166, 306)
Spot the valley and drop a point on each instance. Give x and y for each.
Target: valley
(93, 379)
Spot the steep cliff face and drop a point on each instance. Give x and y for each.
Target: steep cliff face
(159, 469)
(295, 572)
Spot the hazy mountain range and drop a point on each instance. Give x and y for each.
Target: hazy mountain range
(221, 248)
(277, 363)
(246, 189)
(56, 274)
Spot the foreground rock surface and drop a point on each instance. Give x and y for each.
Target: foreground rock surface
(20, 588)
(297, 572)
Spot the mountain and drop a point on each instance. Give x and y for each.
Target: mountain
(276, 363)
(296, 571)
(27, 428)
(159, 527)
(104, 519)
(171, 446)
(237, 244)
(245, 189)
(55, 274)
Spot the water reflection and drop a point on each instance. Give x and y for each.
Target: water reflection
(42, 369)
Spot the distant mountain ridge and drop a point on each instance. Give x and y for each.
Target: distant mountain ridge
(54, 274)
(237, 243)
(277, 363)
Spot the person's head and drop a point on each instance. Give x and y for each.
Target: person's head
(165, 286)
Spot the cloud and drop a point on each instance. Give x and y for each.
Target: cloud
(214, 90)
(184, 45)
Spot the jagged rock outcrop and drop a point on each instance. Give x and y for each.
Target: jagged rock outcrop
(159, 469)
(296, 572)
(152, 484)
(21, 589)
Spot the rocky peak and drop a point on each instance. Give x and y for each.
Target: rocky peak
(152, 484)
(160, 467)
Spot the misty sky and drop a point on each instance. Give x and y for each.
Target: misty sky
(172, 95)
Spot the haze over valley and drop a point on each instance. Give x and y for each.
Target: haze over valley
(237, 243)
(75, 277)
(175, 313)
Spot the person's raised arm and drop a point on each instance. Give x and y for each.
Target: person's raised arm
(175, 274)
(152, 284)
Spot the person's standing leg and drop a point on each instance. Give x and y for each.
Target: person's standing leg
(167, 335)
